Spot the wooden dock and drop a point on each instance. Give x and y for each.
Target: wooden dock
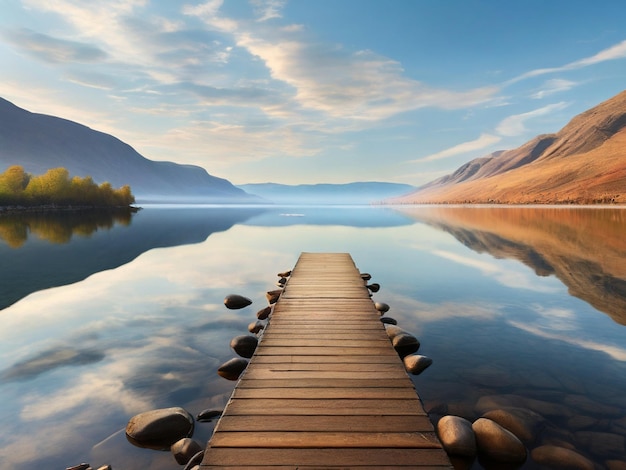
(325, 388)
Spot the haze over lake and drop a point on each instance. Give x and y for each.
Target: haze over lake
(108, 316)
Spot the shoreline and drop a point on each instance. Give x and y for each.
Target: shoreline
(54, 208)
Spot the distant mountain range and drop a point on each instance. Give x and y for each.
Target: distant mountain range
(337, 194)
(585, 162)
(39, 142)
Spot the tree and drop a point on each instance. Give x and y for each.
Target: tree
(56, 188)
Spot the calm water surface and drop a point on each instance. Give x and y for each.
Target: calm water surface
(105, 317)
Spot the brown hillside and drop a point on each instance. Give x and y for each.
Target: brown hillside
(585, 162)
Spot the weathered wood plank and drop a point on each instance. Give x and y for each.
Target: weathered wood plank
(326, 393)
(298, 359)
(380, 423)
(321, 383)
(329, 366)
(344, 407)
(326, 439)
(257, 373)
(330, 458)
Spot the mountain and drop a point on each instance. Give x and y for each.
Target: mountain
(39, 142)
(585, 162)
(350, 193)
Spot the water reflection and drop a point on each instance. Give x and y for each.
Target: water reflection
(58, 227)
(77, 361)
(584, 248)
(105, 240)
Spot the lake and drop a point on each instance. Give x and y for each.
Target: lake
(105, 316)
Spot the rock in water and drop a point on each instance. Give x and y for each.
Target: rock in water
(560, 458)
(208, 414)
(405, 344)
(235, 301)
(264, 313)
(457, 436)
(416, 364)
(195, 461)
(255, 327)
(366, 276)
(393, 331)
(525, 424)
(244, 345)
(273, 295)
(80, 466)
(232, 369)
(374, 287)
(389, 320)
(382, 307)
(284, 274)
(159, 429)
(184, 449)
(496, 443)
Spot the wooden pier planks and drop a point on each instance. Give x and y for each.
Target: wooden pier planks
(325, 388)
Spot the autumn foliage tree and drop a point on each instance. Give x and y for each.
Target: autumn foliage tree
(55, 187)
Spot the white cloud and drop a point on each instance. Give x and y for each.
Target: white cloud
(484, 141)
(553, 86)
(615, 52)
(268, 9)
(514, 125)
(362, 86)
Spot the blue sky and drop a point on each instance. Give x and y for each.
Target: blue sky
(314, 91)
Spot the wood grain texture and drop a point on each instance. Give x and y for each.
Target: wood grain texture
(325, 389)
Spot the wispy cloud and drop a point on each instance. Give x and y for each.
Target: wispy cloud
(615, 52)
(514, 125)
(268, 9)
(484, 141)
(362, 86)
(54, 50)
(553, 86)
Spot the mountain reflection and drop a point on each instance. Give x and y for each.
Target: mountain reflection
(58, 227)
(583, 247)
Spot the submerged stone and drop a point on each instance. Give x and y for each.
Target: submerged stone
(232, 369)
(560, 458)
(524, 423)
(235, 301)
(496, 443)
(159, 429)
